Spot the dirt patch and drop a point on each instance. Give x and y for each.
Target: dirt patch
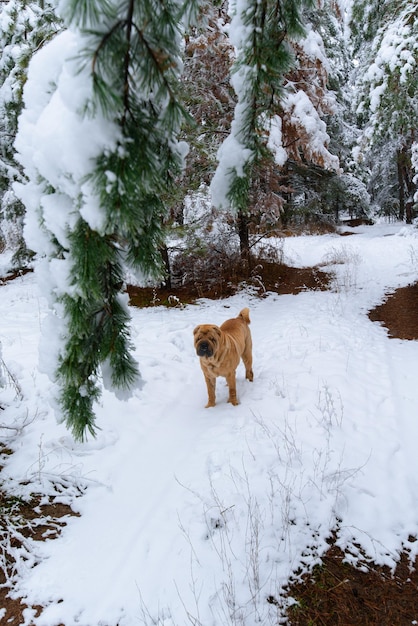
(22, 521)
(336, 593)
(265, 277)
(13, 275)
(399, 313)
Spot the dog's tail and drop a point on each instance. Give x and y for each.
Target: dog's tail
(245, 315)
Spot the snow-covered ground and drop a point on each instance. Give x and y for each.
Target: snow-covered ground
(195, 516)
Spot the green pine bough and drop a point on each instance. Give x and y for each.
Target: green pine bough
(135, 61)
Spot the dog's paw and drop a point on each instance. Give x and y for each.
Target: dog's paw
(249, 376)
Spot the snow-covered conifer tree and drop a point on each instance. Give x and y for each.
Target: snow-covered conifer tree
(388, 107)
(272, 107)
(24, 27)
(98, 142)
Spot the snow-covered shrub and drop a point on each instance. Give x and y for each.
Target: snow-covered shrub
(209, 249)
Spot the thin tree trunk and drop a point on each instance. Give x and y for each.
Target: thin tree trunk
(401, 189)
(408, 211)
(408, 179)
(166, 261)
(244, 238)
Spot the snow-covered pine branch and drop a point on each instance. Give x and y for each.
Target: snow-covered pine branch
(98, 144)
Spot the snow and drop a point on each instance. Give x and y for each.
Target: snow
(275, 143)
(193, 515)
(303, 115)
(57, 144)
(313, 46)
(395, 51)
(197, 513)
(232, 156)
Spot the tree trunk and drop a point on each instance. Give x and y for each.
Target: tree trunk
(401, 189)
(166, 261)
(244, 238)
(408, 211)
(287, 210)
(408, 178)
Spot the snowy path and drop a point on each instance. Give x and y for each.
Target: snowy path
(205, 512)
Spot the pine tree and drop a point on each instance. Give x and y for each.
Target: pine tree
(311, 125)
(278, 111)
(260, 32)
(388, 108)
(24, 27)
(208, 94)
(113, 212)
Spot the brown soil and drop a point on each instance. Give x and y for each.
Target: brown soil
(337, 594)
(399, 313)
(333, 594)
(21, 520)
(13, 275)
(265, 277)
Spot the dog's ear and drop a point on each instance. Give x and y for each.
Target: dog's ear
(196, 330)
(217, 330)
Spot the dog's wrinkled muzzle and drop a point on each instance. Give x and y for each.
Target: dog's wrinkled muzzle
(204, 349)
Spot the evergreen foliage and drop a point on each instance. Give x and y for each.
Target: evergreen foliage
(264, 55)
(388, 100)
(24, 28)
(208, 96)
(280, 77)
(135, 56)
(324, 188)
(131, 53)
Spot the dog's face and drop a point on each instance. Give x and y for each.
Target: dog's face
(206, 339)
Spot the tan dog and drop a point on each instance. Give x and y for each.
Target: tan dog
(220, 349)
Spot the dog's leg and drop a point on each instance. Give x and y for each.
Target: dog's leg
(247, 359)
(232, 386)
(211, 385)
